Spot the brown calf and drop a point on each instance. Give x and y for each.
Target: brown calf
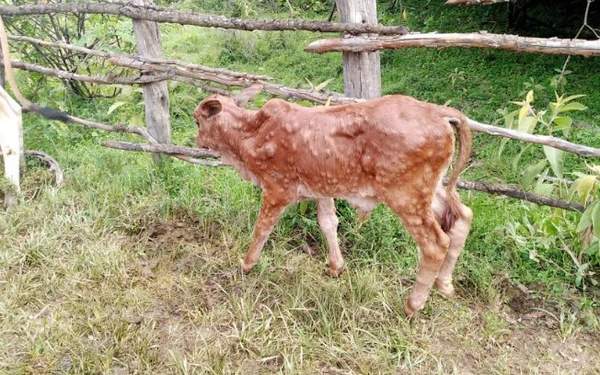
(393, 149)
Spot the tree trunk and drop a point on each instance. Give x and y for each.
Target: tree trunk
(362, 71)
(156, 95)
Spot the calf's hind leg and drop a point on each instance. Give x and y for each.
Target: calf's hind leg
(433, 243)
(270, 211)
(328, 222)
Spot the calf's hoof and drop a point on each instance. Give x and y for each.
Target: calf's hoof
(445, 288)
(413, 305)
(335, 271)
(409, 310)
(247, 267)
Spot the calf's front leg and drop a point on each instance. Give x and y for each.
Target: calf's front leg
(268, 216)
(328, 222)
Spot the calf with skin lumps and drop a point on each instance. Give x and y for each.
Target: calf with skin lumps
(393, 150)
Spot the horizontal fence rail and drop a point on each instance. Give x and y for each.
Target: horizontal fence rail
(196, 19)
(198, 75)
(549, 46)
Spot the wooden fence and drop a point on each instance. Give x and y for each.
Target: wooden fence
(361, 70)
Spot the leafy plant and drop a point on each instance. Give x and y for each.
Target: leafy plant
(550, 176)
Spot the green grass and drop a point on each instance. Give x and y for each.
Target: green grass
(133, 268)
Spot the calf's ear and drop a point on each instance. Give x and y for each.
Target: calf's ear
(209, 108)
(247, 94)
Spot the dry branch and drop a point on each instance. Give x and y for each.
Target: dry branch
(135, 61)
(90, 79)
(198, 154)
(547, 140)
(192, 73)
(196, 19)
(475, 2)
(485, 187)
(513, 192)
(52, 164)
(551, 46)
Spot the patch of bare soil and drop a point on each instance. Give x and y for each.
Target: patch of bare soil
(524, 333)
(171, 232)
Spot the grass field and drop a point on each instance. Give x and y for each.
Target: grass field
(134, 268)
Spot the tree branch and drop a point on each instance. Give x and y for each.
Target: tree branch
(199, 155)
(551, 46)
(532, 138)
(90, 79)
(513, 192)
(196, 19)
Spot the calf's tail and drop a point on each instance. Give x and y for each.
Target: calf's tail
(453, 209)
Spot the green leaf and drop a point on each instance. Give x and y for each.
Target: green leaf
(593, 248)
(583, 186)
(555, 157)
(550, 228)
(543, 188)
(524, 111)
(509, 119)
(503, 143)
(529, 97)
(532, 171)
(517, 159)
(527, 124)
(114, 106)
(563, 122)
(586, 218)
(596, 220)
(574, 106)
(572, 97)
(323, 84)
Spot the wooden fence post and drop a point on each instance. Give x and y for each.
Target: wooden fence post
(156, 95)
(362, 71)
(11, 144)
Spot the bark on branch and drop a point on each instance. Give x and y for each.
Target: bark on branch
(196, 19)
(551, 46)
(199, 155)
(85, 78)
(513, 192)
(546, 140)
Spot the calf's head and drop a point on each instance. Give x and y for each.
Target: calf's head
(221, 120)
